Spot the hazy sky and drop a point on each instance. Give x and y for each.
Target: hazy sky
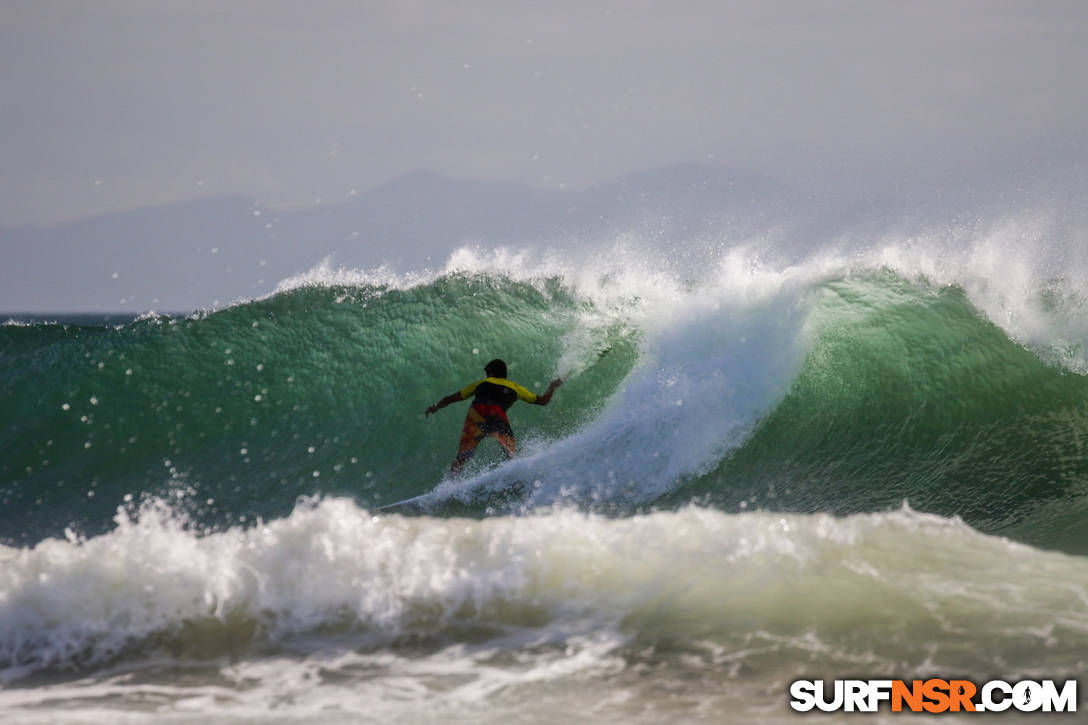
(109, 105)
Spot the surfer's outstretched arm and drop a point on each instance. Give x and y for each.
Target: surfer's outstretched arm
(451, 398)
(545, 397)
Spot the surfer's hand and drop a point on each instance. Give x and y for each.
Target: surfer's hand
(430, 410)
(545, 397)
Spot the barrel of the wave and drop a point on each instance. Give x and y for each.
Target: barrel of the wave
(909, 394)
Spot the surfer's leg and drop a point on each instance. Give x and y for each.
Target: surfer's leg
(501, 431)
(471, 435)
(506, 440)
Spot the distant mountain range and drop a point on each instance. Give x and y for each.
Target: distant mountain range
(196, 254)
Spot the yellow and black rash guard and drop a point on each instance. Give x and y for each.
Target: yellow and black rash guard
(497, 391)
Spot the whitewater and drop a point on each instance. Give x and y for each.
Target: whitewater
(866, 459)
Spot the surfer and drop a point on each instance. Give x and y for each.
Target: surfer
(493, 396)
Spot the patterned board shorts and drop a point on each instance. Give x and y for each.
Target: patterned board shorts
(482, 421)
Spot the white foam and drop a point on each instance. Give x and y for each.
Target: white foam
(567, 611)
(691, 574)
(327, 274)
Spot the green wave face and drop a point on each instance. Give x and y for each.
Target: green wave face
(234, 415)
(852, 394)
(908, 395)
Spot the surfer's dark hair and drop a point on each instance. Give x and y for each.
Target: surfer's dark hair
(495, 369)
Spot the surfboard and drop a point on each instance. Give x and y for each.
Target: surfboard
(429, 503)
(412, 505)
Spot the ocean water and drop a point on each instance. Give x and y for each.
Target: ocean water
(760, 468)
